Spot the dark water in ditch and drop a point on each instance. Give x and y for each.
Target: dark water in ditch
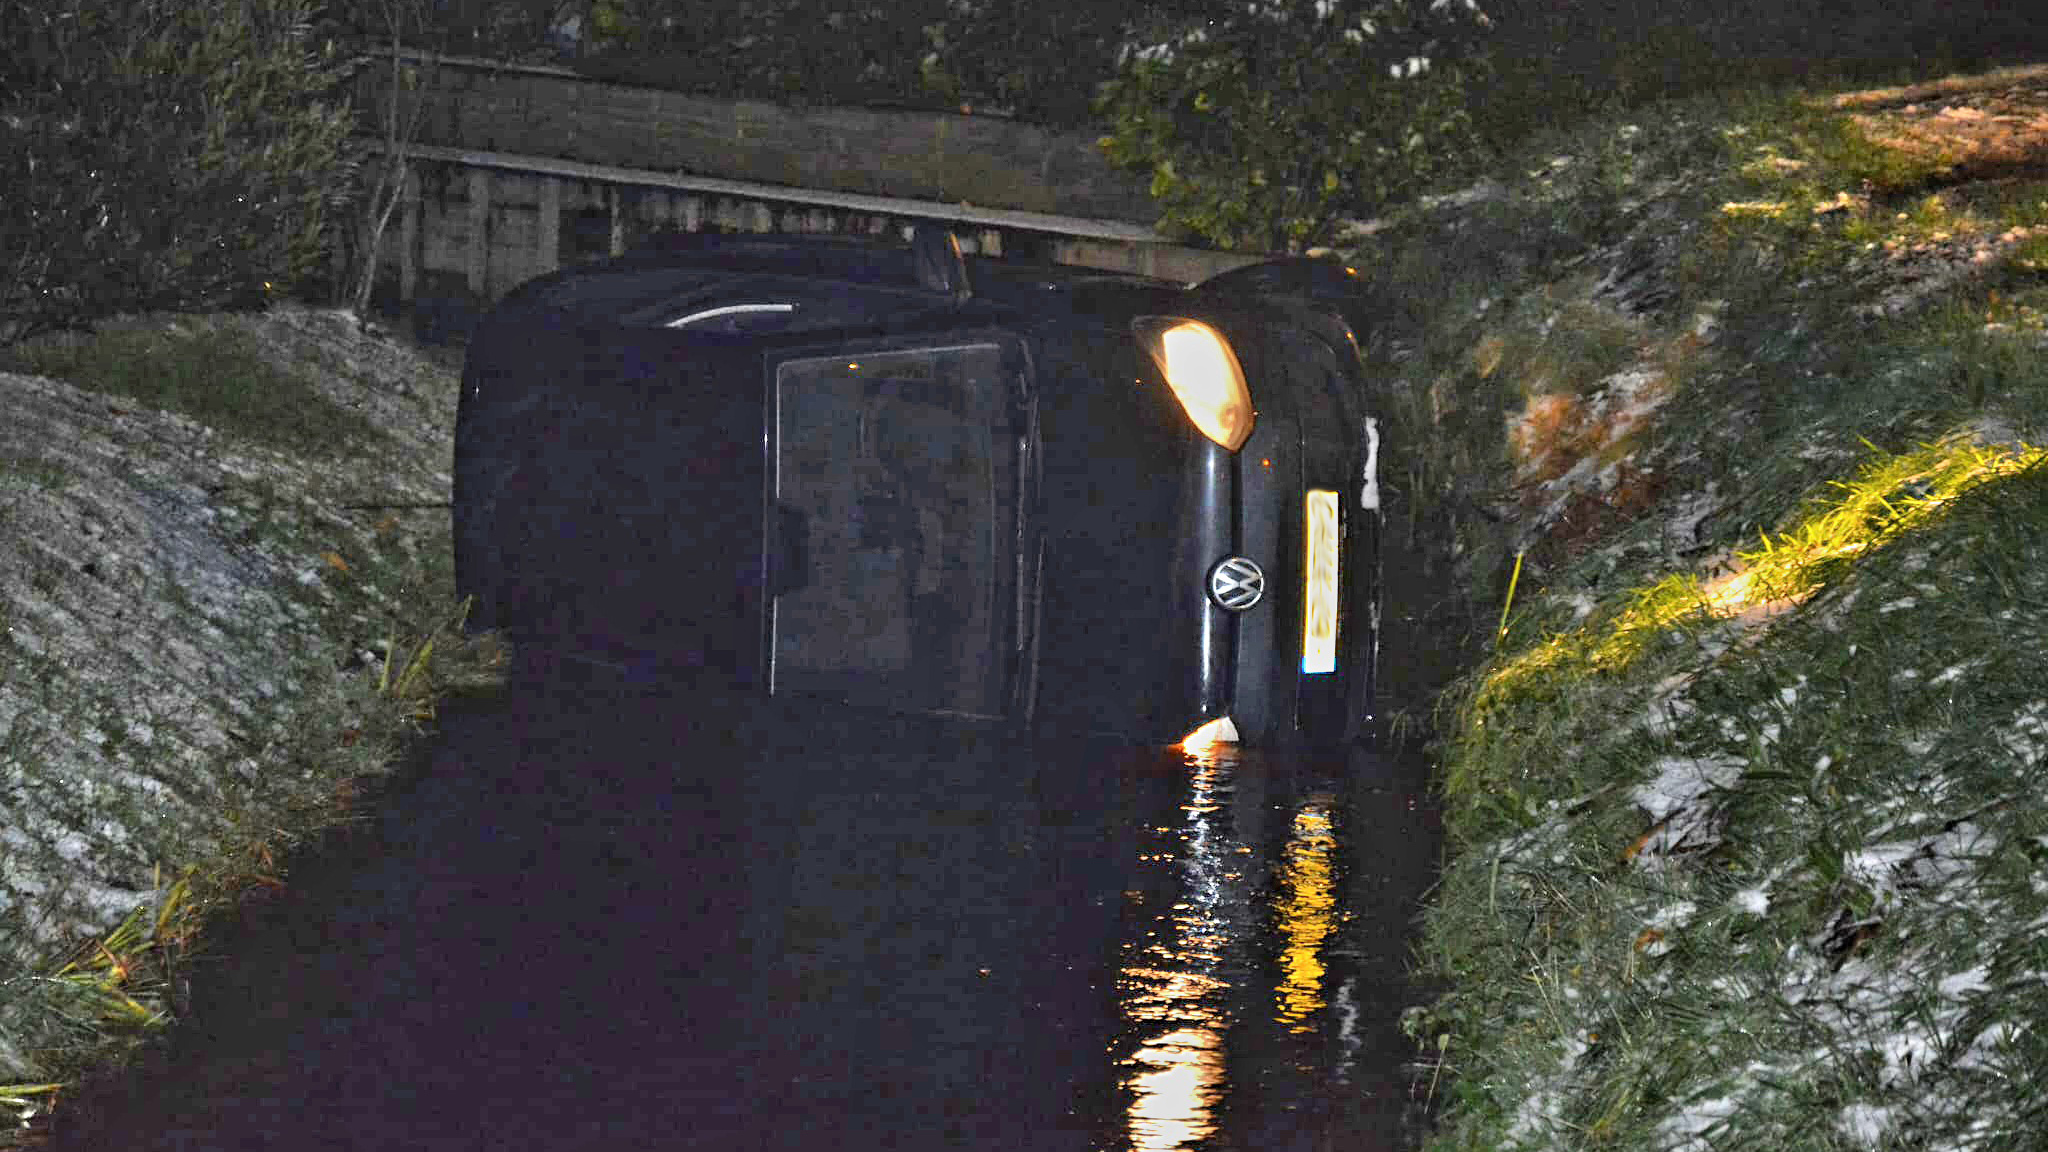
(610, 915)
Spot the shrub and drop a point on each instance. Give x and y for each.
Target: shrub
(772, 49)
(1041, 60)
(1261, 127)
(161, 155)
(1553, 63)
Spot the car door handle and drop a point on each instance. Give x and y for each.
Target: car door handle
(789, 564)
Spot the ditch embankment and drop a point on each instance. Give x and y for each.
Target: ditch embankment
(1719, 424)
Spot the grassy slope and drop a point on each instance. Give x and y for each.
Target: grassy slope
(1747, 853)
(84, 1009)
(1749, 850)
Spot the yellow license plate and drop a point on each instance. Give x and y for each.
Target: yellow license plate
(1319, 610)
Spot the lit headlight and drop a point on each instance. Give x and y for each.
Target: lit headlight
(1204, 375)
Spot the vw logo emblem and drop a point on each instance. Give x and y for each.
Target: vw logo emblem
(1235, 583)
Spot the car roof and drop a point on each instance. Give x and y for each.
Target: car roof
(855, 281)
(871, 259)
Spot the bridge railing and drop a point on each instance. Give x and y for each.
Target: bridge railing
(476, 224)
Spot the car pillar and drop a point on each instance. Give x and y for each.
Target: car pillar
(1210, 534)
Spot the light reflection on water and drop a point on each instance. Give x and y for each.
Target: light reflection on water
(1176, 984)
(1171, 993)
(1307, 914)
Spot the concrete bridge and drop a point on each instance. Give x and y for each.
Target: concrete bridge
(521, 169)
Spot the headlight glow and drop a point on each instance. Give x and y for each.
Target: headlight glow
(1204, 375)
(1208, 736)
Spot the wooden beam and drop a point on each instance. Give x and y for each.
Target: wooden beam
(479, 253)
(961, 214)
(548, 237)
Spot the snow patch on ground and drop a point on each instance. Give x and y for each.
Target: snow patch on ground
(2027, 738)
(1542, 1109)
(1668, 706)
(1681, 782)
(1678, 801)
(1867, 1124)
(1690, 1128)
(1920, 865)
(1682, 526)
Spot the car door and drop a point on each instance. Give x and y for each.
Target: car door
(897, 495)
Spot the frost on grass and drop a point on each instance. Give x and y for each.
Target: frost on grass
(1750, 841)
(1541, 1111)
(155, 669)
(1894, 999)
(1821, 814)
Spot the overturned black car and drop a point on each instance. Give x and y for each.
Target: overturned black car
(898, 477)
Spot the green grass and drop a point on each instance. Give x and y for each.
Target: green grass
(213, 373)
(1743, 800)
